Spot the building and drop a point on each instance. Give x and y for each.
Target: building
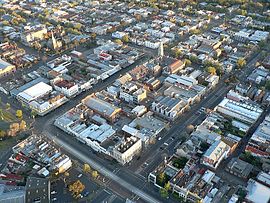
(184, 81)
(42, 151)
(67, 88)
(33, 33)
(38, 90)
(259, 142)
(168, 107)
(126, 149)
(130, 93)
(175, 67)
(215, 154)
(239, 168)
(257, 192)
(6, 68)
(103, 108)
(41, 98)
(12, 194)
(242, 110)
(38, 190)
(146, 127)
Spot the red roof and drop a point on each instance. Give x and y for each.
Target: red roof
(256, 151)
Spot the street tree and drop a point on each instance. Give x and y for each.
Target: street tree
(95, 174)
(86, 168)
(190, 129)
(163, 193)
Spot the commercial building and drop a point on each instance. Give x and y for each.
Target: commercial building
(103, 108)
(146, 128)
(41, 98)
(6, 68)
(42, 151)
(257, 192)
(38, 90)
(215, 154)
(38, 190)
(12, 194)
(242, 110)
(130, 93)
(239, 168)
(168, 107)
(67, 88)
(126, 149)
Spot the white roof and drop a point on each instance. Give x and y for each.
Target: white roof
(35, 91)
(257, 192)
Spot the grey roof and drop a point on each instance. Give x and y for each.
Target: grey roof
(101, 106)
(16, 91)
(4, 64)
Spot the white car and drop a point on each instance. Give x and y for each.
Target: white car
(54, 199)
(80, 175)
(53, 192)
(159, 138)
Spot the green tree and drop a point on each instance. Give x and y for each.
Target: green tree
(167, 186)
(125, 39)
(187, 62)
(2, 133)
(34, 113)
(118, 41)
(95, 174)
(177, 52)
(86, 168)
(241, 62)
(161, 178)
(163, 193)
(19, 114)
(211, 70)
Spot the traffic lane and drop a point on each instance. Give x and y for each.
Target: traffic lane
(123, 184)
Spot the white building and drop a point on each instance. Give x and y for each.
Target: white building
(69, 89)
(34, 92)
(215, 154)
(127, 149)
(242, 110)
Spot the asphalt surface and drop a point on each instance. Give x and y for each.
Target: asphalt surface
(131, 178)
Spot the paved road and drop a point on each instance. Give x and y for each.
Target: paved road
(81, 156)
